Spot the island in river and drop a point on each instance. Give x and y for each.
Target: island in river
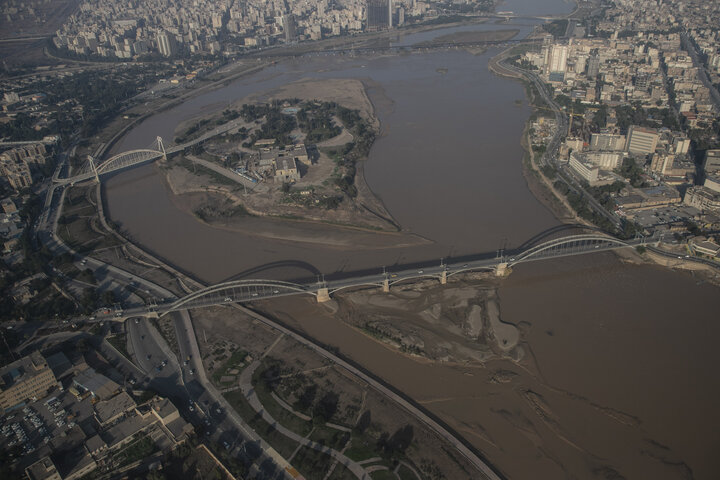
(292, 168)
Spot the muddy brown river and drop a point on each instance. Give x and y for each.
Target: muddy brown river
(620, 379)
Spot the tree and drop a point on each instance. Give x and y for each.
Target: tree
(305, 400)
(327, 406)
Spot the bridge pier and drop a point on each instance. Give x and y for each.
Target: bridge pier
(323, 295)
(501, 269)
(443, 277)
(386, 286)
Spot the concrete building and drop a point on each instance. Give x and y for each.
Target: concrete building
(97, 385)
(604, 160)
(290, 28)
(286, 169)
(108, 411)
(378, 15)
(43, 469)
(641, 140)
(585, 170)
(662, 163)
(557, 60)
(166, 44)
(712, 182)
(711, 163)
(680, 145)
(703, 199)
(607, 142)
(25, 379)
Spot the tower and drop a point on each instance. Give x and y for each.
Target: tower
(166, 44)
(378, 15)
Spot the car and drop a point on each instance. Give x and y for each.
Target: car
(226, 445)
(137, 320)
(227, 299)
(421, 271)
(465, 266)
(255, 294)
(164, 362)
(393, 275)
(191, 408)
(148, 357)
(192, 372)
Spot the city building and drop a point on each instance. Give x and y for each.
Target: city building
(711, 163)
(584, 170)
(607, 141)
(662, 163)
(166, 44)
(703, 199)
(27, 378)
(378, 15)
(43, 469)
(557, 61)
(286, 169)
(604, 160)
(641, 140)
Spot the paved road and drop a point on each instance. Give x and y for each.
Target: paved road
(550, 155)
(702, 73)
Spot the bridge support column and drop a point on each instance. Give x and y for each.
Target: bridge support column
(386, 286)
(323, 295)
(501, 269)
(443, 277)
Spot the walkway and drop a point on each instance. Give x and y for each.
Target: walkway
(249, 392)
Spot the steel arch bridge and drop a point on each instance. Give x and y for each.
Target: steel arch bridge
(128, 159)
(248, 290)
(573, 245)
(238, 291)
(118, 162)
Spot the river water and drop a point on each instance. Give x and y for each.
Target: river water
(447, 165)
(635, 343)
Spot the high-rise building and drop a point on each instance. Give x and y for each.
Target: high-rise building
(290, 28)
(641, 140)
(379, 15)
(166, 44)
(593, 67)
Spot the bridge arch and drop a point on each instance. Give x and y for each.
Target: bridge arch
(127, 159)
(581, 241)
(238, 291)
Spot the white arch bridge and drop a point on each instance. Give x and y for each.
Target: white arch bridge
(139, 156)
(249, 290)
